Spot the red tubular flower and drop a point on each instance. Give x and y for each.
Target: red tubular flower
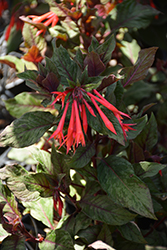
(59, 131)
(51, 17)
(75, 135)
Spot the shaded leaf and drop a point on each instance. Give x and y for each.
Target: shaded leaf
(14, 242)
(139, 126)
(149, 135)
(26, 130)
(125, 188)
(139, 16)
(131, 231)
(82, 156)
(139, 70)
(107, 81)
(41, 209)
(105, 235)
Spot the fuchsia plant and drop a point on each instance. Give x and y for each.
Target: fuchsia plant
(94, 144)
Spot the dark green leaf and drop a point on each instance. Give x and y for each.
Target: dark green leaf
(106, 48)
(82, 156)
(94, 45)
(89, 234)
(26, 130)
(139, 126)
(131, 231)
(105, 235)
(139, 70)
(41, 209)
(107, 81)
(131, 14)
(13, 242)
(66, 67)
(125, 188)
(102, 208)
(82, 222)
(57, 240)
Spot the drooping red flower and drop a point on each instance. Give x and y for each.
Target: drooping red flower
(78, 122)
(50, 17)
(13, 21)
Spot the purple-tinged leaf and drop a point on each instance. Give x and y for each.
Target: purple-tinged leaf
(7, 198)
(41, 209)
(26, 130)
(50, 83)
(105, 235)
(125, 188)
(131, 231)
(57, 239)
(13, 242)
(40, 182)
(139, 70)
(95, 65)
(82, 156)
(107, 81)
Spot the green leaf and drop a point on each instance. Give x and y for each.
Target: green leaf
(57, 240)
(14, 177)
(82, 222)
(125, 188)
(149, 169)
(148, 138)
(25, 102)
(14, 242)
(131, 50)
(26, 130)
(94, 44)
(89, 234)
(42, 210)
(106, 48)
(82, 156)
(102, 208)
(3, 233)
(131, 231)
(66, 67)
(139, 126)
(139, 70)
(131, 14)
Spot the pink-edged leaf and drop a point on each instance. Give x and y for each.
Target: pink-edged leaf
(95, 65)
(139, 70)
(42, 210)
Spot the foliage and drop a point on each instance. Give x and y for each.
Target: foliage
(96, 117)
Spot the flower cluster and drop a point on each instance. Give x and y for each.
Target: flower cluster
(50, 17)
(79, 97)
